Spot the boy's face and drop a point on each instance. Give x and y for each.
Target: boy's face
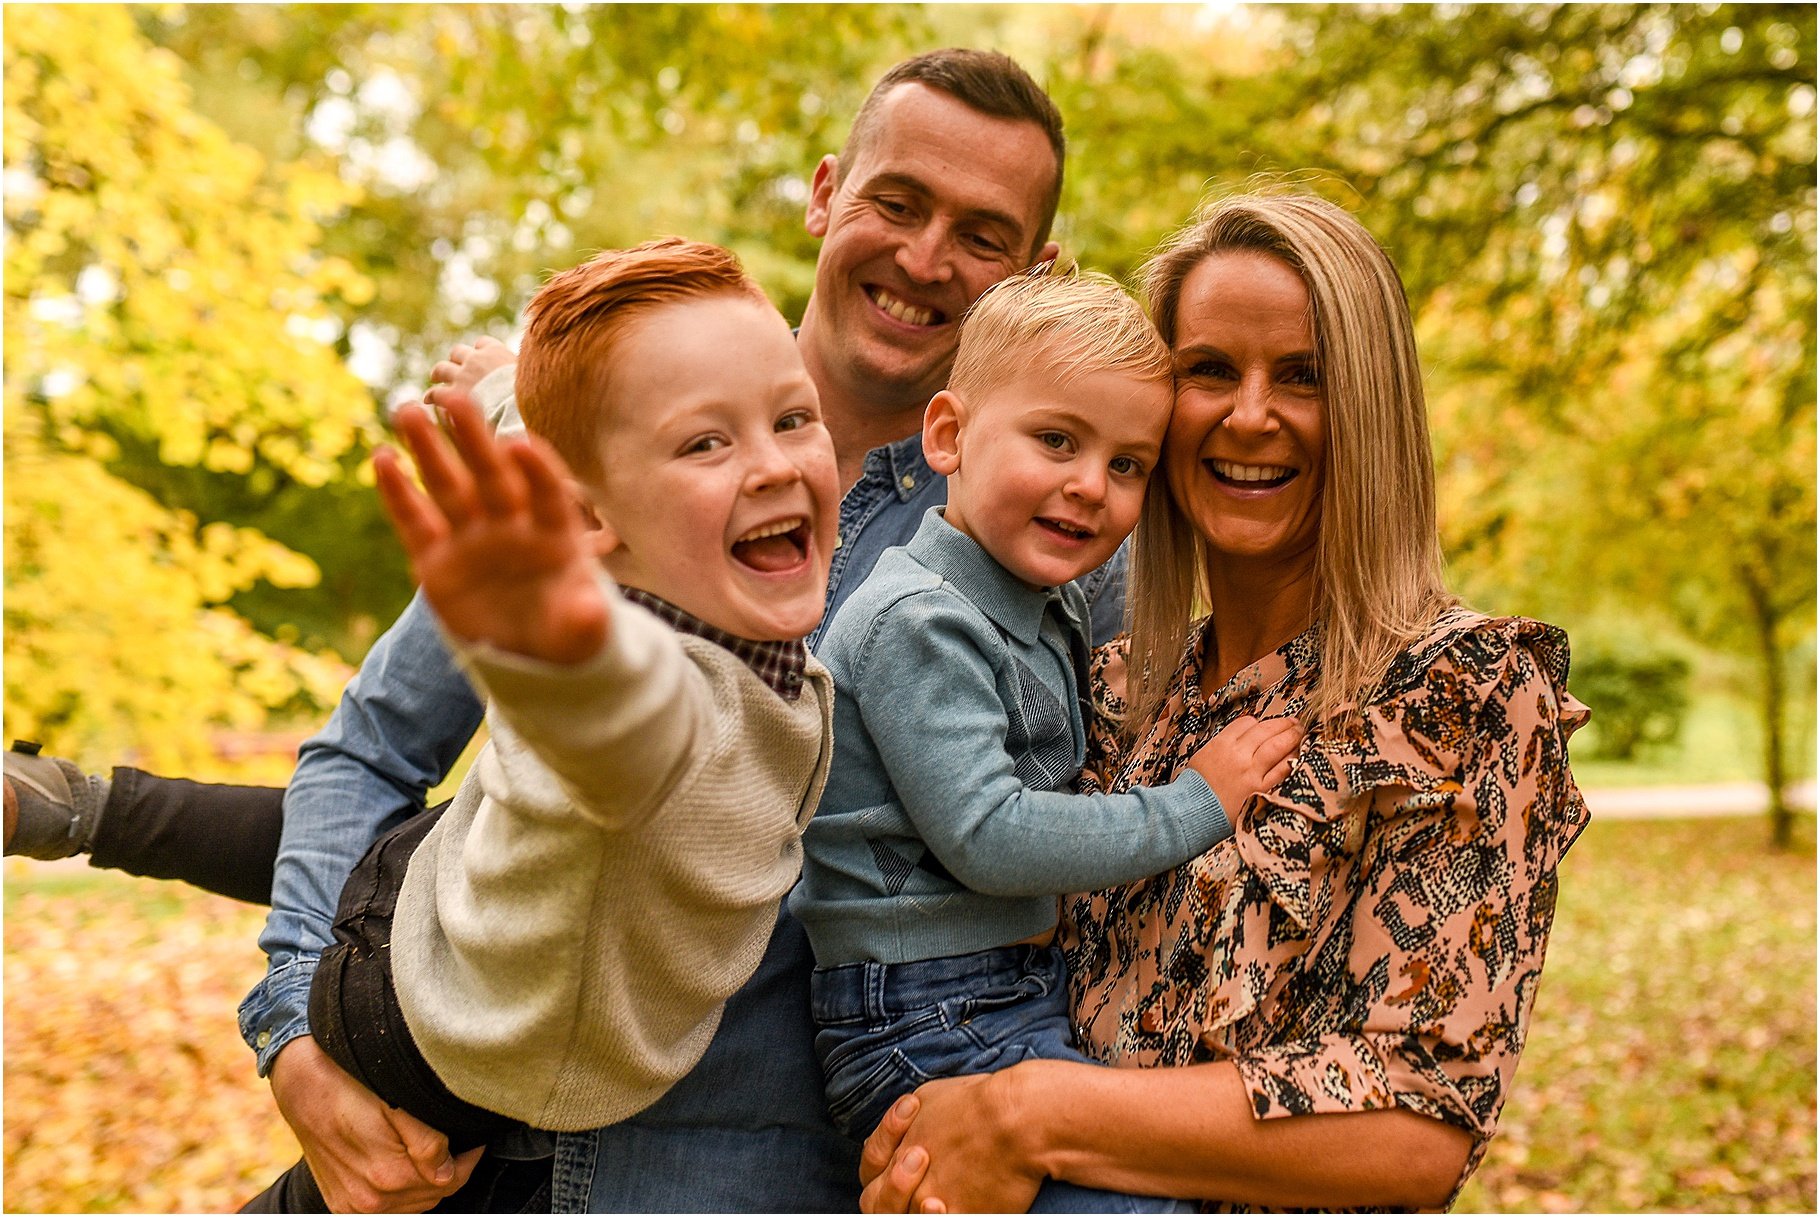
(719, 492)
(1048, 476)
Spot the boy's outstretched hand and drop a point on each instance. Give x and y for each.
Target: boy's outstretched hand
(497, 543)
(1249, 755)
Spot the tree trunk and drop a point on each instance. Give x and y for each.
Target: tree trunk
(1772, 705)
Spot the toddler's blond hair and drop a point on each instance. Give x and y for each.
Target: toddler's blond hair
(1059, 320)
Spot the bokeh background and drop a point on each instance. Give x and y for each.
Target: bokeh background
(236, 234)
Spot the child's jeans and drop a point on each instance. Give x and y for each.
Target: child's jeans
(888, 1028)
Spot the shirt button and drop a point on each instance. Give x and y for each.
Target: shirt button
(907, 482)
(264, 1038)
(839, 540)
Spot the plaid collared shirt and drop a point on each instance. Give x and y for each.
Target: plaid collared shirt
(778, 664)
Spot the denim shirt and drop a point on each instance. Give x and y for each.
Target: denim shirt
(406, 716)
(949, 824)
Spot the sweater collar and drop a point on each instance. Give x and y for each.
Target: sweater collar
(1012, 605)
(779, 664)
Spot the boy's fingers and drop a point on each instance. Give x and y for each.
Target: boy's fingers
(497, 481)
(544, 486)
(444, 476)
(418, 522)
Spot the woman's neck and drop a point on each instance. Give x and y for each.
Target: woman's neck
(1255, 612)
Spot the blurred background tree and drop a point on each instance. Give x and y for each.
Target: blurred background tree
(1605, 215)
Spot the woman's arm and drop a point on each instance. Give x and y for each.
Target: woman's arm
(1187, 1132)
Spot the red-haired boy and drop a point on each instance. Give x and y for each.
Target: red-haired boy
(555, 949)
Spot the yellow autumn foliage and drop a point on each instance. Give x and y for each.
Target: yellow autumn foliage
(162, 287)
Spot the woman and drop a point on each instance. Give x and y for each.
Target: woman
(1326, 1010)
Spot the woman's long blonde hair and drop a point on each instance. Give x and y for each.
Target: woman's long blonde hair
(1378, 567)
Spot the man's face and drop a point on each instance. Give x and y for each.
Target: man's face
(718, 492)
(939, 203)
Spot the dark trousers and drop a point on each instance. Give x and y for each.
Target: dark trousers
(220, 838)
(224, 839)
(356, 1019)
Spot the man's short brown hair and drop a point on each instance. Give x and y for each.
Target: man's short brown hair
(574, 320)
(987, 81)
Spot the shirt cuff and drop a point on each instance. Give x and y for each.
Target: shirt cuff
(277, 1011)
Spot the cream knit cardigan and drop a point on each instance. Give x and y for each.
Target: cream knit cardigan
(608, 874)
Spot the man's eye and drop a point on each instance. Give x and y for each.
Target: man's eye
(985, 244)
(893, 207)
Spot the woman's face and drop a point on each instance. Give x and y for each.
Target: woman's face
(1246, 447)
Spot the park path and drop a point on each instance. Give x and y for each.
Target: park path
(1675, 802)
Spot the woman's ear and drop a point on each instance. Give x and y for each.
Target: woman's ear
(942, 423)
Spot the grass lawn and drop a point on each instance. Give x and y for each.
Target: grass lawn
(1721, 741)
(1670, 1065)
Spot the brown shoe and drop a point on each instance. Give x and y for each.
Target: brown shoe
(51, 806)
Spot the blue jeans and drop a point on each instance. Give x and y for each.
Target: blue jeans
(746, 1131)
(888, 1028)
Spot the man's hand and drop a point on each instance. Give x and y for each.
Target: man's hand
(1248, 756)
(498, 543)
(465, 367)
(367, 1157)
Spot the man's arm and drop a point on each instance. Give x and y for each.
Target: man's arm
(399, 729)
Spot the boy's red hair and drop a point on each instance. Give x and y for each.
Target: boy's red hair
(574, 320)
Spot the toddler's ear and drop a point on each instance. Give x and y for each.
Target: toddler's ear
(942, 433)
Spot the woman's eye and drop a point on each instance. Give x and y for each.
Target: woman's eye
(1303, 375)
(1210, 369)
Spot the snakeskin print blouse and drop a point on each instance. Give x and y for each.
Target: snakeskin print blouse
(1373, 933)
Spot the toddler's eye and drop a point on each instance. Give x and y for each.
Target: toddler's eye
(1052, 439)
(1127, 466)
(792, 422)
(705, 443)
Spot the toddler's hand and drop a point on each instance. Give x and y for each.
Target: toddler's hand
(1248, 756)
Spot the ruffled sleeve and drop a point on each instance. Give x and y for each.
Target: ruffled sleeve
(1404, 880)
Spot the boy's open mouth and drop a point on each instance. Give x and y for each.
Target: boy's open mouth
(903, 310)
(778, 546)
(1250, 477)
(1071, 532)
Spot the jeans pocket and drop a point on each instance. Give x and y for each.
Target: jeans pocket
(859, 1095)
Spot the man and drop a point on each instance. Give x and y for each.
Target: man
(948, 183)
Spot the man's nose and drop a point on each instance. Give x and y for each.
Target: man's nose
(923, 255)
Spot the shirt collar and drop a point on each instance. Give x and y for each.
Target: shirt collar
(903, 465)
(1012, 605)
(779, 664)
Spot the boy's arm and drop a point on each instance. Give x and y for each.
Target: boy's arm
(591, 685)
(925, 688)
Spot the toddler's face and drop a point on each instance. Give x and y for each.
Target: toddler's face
(719, 492)
(1048, 476)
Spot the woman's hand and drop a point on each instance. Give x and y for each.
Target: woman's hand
(957, 1145)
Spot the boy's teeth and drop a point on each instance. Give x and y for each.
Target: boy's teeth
(909, 314)
(1251, 473)
(772, 530)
